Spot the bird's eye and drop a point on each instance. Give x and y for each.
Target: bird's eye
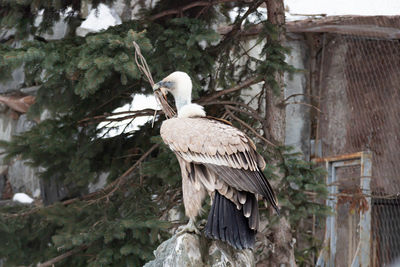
(167, 84)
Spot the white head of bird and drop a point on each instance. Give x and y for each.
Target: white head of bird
(179, 85)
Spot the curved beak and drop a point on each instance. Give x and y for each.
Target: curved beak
(156, 86)
(164, 87)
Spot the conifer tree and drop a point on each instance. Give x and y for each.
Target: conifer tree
(84, 79)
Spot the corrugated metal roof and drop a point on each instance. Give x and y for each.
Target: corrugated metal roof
(387, 27)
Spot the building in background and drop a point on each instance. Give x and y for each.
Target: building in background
(353, 93)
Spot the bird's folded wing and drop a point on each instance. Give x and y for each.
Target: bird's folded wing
(222, 148)
(211, 141)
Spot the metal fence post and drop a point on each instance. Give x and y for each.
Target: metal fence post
(365, 217)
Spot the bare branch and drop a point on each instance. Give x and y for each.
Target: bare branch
(123, 178)
(189, 6)
(238, 87)
(106, 192)
(108, 116)
(67, 254)
(249, 127)
(294, 95)
(246, 106)
(250, 30)
(305, 104)
(237, 24)
(251, 114)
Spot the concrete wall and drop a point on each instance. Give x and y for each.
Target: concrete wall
(297, 131)
(22, 177)
(16, 173)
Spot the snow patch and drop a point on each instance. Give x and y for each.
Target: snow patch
(36, 194)
(252, 18)
(99, 184)
(22, 198)
(139, 102)
(99, 19)
(60, 27)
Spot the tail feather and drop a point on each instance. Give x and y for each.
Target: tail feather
(227, 223)
(221, 217)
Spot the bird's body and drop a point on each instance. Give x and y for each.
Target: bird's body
(218, 159)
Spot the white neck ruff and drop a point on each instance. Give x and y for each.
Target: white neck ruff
(191, 110)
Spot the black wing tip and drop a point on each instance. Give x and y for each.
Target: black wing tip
(235, 231)
(236, 244)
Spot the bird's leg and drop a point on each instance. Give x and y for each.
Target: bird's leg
(190, 227)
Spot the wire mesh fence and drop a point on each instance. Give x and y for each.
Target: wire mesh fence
(357, 81)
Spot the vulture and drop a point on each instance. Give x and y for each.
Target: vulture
(218, 159)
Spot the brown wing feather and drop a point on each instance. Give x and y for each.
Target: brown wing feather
(245, 180)
(193, 191)
(223, 149)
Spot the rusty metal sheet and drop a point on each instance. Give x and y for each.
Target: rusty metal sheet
(356, 155)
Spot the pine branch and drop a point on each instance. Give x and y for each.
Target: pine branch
(115, 185)
(111, 188)
(106, 192)
(235, 30)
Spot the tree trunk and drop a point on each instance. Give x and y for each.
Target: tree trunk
(275, 114)
(283, 250)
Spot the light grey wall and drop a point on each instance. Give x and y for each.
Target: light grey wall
(298, 127)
